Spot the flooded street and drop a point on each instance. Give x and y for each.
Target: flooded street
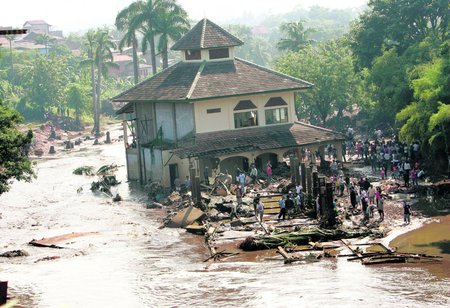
(129, 262)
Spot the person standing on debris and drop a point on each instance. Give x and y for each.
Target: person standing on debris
(380, 208)
(238, 194)
(255, 202)
(318, 206)
(406, 170)
(177, 184)
(260, 211)
(353, 200)
(289, 203)
(206, 175)
(269, 170)
(254, 173)
(282, 213)
(233, 211)
(406, 212)
(187, 183)
(371, 194)
(242, 181)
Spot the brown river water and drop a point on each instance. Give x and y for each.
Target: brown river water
(129, 262)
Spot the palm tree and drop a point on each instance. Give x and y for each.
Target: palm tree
(171, 24)
(90, 43)
(45, 40)
(103, 59)
(144, 19)
(123, 23)
(11, 38)
(297, 36)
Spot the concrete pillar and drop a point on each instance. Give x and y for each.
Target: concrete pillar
(125, 130)
(338, 146)
(296, 171)
(303, 175)
(315, 184)
(309, 181)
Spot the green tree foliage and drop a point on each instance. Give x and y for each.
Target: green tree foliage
(329, 67)
(397, 23)
(124, 23)
(255, 48)
(45, 84)
(77, 99)
(296, 37)
(14, 145)
(172, 23)
(427, 118)
(103, 59)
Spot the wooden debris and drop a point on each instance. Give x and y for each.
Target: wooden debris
(288, 258)
(388, 256)
(303, 236)
(49, 242)
(185, 217)
(14, 254)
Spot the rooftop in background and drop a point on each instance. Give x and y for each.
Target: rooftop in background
(206, 34)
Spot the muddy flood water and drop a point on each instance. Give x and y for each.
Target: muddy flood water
(129, 262)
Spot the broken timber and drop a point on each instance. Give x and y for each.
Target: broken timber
(389, 256)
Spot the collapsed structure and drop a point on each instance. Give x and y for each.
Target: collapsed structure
(213, 110)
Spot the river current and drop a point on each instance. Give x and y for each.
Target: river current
(130, 262)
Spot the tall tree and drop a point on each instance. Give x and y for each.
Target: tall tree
(171, 24)
(103, 59)
(91, 45)
(397, 23)
(124, 23)
(297, 36)
(144, 19)
(45, 40)
(14, 147)
(11, 38)
(330, 68)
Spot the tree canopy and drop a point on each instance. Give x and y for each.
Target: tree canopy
(14, 146)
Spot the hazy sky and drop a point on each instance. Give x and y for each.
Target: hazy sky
(73, 15)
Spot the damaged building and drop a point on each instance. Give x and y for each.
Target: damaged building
(213, 110)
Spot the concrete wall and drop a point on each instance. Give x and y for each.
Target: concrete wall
(132, 164)
(152, 165)
(145, 115)
(176, 120)
(224, 120)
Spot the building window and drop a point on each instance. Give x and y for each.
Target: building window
(245, 119)
(277, 115)
(214, 110)
(219, 53)
(275, 101)
(193, 54)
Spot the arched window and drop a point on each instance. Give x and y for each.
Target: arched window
(245, 114)
(276, 111)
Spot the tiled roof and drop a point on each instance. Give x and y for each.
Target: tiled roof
(255, 138)
(203, 80)
(36, 22)
(206, 34)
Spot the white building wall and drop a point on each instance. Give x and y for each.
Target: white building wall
(208, 122)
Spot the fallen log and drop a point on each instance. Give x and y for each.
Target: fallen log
(300, 237)
(287, 258)
(37, 244)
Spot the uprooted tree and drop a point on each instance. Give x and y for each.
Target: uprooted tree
(14, 148)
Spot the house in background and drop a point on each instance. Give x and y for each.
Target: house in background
(213, 109)
(37, 26)
(125, 67)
